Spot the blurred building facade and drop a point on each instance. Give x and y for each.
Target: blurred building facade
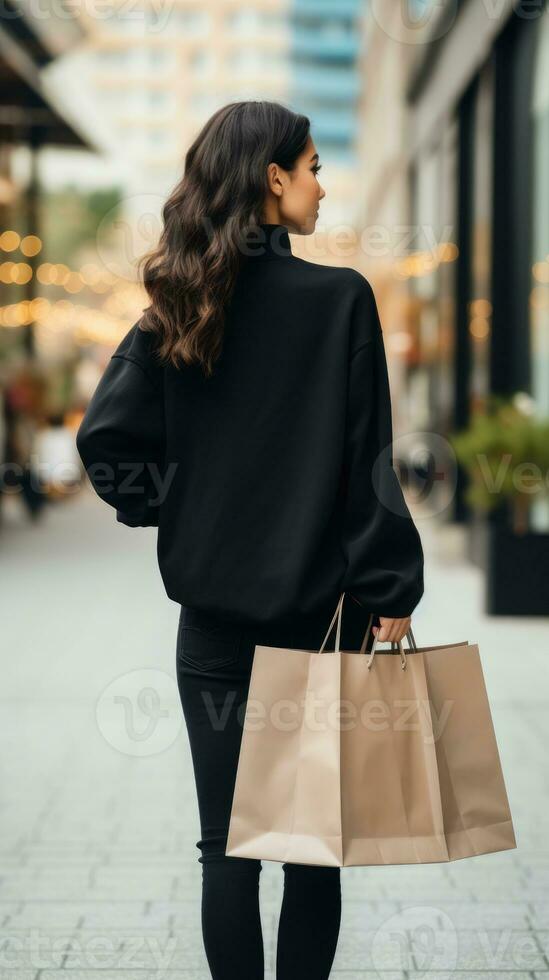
(30, 118)
(160, 73)
(459, 187)
(143, 78)
(325, 77)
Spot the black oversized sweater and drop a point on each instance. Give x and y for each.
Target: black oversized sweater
(272, 482)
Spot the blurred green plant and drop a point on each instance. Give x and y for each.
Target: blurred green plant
(70, 219)
(505, 453)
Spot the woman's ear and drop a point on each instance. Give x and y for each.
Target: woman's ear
(274, 179)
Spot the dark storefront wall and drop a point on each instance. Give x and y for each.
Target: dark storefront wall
(466, 286)
(483, 320)
(539, 258)
(539, 298)
(520, 352)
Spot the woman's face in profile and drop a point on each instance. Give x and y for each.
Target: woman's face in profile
(302, 193)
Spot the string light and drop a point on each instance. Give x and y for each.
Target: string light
(479, 327)
(9, 241)
(540, 271)
(122, 303)
(86, 323)
(480, 307)
(447, 252)
(419, 264)
(30, 245)
(6, 272)
(539, 298)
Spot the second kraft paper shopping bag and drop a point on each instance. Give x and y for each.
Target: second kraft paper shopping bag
(355, 759)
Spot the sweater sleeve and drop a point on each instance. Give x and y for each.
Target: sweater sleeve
(381, 542)
(121, 440)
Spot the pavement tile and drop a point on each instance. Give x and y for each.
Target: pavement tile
(99, 868)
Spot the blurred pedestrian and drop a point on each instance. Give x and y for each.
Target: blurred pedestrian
(22, 407)
(56, 458)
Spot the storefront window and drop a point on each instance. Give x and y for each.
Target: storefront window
(480, 305)
(448, 254)
(432, 285)
(423, 287)
(539, 296)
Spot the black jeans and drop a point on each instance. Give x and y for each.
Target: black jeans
(214, 661)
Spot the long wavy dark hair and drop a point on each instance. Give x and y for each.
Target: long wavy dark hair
(191, 274)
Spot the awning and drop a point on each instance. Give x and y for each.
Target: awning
(27, 111)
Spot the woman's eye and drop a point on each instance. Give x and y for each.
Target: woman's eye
(316, 169)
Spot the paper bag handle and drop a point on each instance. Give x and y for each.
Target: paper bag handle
(394, 643)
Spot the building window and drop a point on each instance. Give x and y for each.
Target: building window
(202, 63)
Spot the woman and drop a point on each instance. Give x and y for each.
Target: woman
(247, 415)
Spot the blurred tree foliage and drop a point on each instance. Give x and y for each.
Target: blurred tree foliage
(505, 453)
(69, 221)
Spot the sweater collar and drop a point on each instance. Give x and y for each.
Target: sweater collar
(268, 241)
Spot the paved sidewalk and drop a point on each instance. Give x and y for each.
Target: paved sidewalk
(98, 866)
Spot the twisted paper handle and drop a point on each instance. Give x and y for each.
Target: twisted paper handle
(398, 643)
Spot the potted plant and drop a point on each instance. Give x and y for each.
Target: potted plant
(505, 453)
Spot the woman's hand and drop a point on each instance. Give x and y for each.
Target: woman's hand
(391, 630)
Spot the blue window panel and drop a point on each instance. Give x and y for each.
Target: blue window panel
(335, 46)
(310, 80)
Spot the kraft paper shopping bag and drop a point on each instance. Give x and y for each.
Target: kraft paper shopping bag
(355, 759)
